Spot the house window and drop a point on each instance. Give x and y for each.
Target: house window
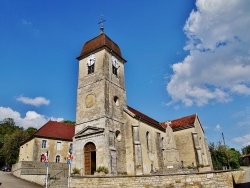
(58, 159)
(58, 146)
(44, 143)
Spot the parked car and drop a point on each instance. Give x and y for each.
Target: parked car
(6, 168)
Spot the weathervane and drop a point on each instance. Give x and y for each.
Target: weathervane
(101, 24)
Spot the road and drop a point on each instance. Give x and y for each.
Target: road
(10, 181)
(246, 177)
(245, 181)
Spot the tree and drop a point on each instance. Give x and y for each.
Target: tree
(31, 130)
(7, 126)
(246, 150)
(69, 121)
(235, 157)
(10, 149)
(222, 156)
(10, 138)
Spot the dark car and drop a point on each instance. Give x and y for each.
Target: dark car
(6, 168)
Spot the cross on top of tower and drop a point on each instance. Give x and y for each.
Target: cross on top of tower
(101, 24)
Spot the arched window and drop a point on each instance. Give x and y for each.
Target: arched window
(58, 159)
(118, 135)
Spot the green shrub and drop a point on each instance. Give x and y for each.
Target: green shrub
(76, 171)
(102, 169)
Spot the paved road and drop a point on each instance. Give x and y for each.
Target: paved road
(245, 181)
(246, 177)
(10, 181)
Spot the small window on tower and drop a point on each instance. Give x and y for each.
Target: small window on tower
(116, 100)
(91, 64)
(118, 136)
(115, 65)
(114, 70)
(91, 69)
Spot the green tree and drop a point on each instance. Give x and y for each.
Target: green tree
(235, 157)
(7, 126)
(11, 136)
(69, 121)
(222, 156)
(10, 149)
(246, 150)
(31, 130)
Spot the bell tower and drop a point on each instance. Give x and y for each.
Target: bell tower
(99, 134)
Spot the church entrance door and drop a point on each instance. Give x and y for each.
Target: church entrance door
(89, 158)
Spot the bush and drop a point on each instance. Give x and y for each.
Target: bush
(75, 171)
(102, 169)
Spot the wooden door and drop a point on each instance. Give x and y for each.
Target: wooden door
(89, 158)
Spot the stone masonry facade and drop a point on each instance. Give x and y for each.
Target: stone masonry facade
(206, 180)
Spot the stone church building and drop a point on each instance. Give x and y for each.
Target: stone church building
(112, 134)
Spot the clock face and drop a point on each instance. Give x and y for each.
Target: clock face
(91, 60)
(89, 100)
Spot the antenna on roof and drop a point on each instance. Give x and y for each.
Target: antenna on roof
(101, 24)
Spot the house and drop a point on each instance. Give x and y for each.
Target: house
(245, 160)
(54, 139)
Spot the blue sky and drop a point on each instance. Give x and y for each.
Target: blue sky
(183, 57)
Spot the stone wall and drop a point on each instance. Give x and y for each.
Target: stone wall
(36, 171)
(204, 180)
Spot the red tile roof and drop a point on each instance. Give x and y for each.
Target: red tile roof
(142, 117)
(182, 122)
(56, 130)
(100, 42)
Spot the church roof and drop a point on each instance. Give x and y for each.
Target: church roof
(182, 123)
(142, 117)
(98, 43)
(56, 130)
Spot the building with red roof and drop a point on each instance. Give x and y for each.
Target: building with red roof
(53, 139)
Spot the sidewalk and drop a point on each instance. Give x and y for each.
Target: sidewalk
(10, 181)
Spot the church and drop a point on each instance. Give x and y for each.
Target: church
(111, 134)
(108, 133)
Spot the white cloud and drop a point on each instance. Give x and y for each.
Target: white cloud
(217, 128)
(37, 101)
(31, 119)
(217, 66)
(244, 117)
(245, 140)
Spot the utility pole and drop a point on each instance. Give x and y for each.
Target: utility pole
(223, 139)
(225, 148)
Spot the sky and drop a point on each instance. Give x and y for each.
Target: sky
(183, 57)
